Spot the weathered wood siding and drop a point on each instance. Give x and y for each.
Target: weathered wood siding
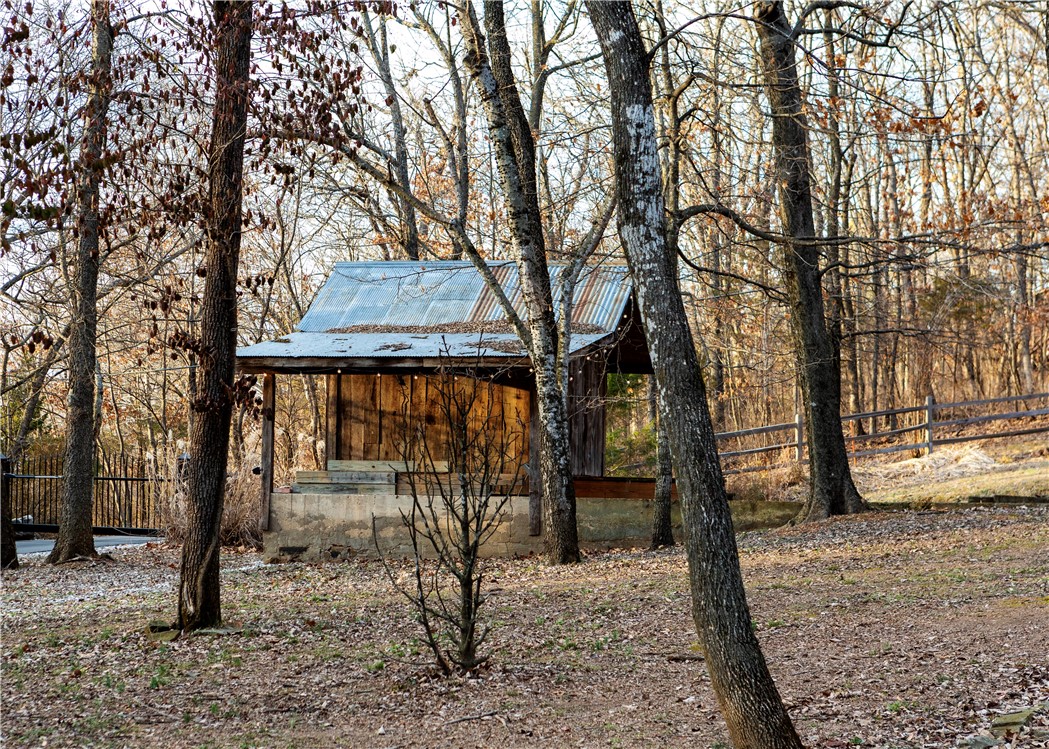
(587, 388)
(371, 415)
(367, 414)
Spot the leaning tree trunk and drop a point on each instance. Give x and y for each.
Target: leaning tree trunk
(515, 157)
(198, 599)
(831, 488)
(740, 677)
(75, 538)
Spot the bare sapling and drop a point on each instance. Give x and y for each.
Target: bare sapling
(461, 470)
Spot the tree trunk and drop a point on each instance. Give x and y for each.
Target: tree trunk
(380, 49)
(740, 677)
(1023, 299)
(36, 392)
(75, 538)
(198, 601)
(832, 491)
(662, 526)
(515, 158)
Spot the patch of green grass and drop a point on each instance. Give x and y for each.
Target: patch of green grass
(225, 656)
(37, 732)
(603, 643)
(109, 681)
(898, 706)
(326, 652)
(98, 723)
(161, 677)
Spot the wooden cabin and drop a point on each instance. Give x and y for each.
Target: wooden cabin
(386, 333)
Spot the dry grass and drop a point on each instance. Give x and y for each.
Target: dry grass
(903, 630)
(964, 473)
(970, 471)
(240, 515)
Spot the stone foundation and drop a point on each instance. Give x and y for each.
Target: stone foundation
(325, 527)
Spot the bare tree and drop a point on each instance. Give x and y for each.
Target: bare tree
(454, 514)
(75, 536)
(832, 491)
(199, 603)
(746, 692)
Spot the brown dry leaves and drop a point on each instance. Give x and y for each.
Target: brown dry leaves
(458, 326)
(894, 630)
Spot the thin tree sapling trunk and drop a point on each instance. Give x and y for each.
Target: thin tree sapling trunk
(662, 525)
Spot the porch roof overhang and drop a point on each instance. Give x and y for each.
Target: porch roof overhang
(393, 352)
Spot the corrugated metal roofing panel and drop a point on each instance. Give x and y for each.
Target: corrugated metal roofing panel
(432, 293)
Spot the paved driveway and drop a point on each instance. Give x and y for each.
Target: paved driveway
(42, 545)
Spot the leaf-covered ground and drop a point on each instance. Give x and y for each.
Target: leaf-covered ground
(910, 629)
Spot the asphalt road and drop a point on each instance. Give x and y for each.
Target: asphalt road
(40, 545)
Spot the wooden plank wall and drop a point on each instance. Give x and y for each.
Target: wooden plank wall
(587, 388)
(375, 412)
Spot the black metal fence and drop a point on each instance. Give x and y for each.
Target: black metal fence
(126, 495)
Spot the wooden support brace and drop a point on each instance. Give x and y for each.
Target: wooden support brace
(269, 401)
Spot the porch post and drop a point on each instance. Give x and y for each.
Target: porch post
(331, 419)
(535, 495)
(269, 400)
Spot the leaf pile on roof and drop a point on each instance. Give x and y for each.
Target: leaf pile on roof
(462, 326)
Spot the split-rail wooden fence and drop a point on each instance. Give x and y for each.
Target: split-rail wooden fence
(917, 429)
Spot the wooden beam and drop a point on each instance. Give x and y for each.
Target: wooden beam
(602, 487)
(535, 483)
(332, 415)
(374, 365)
(269, 401)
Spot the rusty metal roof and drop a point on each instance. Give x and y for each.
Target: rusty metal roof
(429, 294)
(426, 310)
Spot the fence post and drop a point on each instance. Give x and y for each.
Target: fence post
(799, 437)
(5, 480)
(930, 408)
(182, 468)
